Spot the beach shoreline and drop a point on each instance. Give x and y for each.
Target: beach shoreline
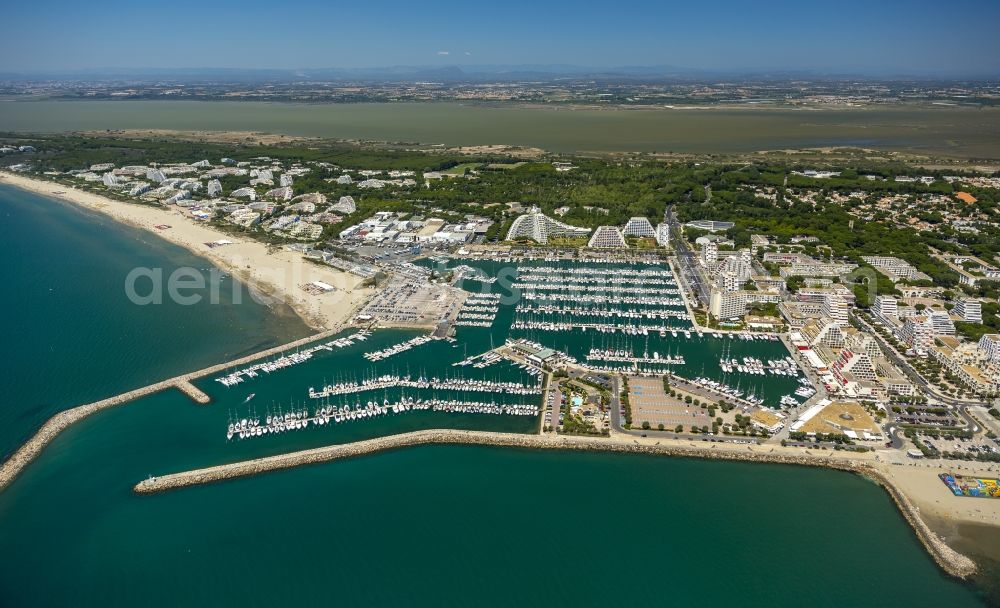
(275, 273)
(913, 486)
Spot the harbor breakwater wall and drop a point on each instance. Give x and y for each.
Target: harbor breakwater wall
(25, 454)
(951, 561)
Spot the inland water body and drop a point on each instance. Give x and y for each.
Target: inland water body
(960, 132)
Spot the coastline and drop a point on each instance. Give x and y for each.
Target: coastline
(913, 487)
(24, 455)
(274, 273)
(950, 560)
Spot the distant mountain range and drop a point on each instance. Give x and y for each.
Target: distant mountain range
(457, 74)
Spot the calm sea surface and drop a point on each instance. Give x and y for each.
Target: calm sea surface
(432, 526)
(70, 334)
(962, 132)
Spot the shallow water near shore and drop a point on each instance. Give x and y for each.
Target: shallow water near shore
(70, 334)
(435, 525)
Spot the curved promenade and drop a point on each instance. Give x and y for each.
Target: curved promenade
(951, 561)
(25, 454)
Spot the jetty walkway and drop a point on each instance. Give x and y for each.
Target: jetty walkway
(25, 454)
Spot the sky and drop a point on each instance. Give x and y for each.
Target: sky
(874, 36)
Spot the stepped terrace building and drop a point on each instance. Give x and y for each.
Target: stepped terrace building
(607, 237)
(710, 225)
(970, 364)
(989, 347)
(826, 333)
(539, 227)
(639, 226)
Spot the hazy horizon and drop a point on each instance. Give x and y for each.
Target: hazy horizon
(501, 71)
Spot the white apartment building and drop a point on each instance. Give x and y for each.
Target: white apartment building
(639, 226)
(729, 281)
(662, 234)
(836, 309)
(710, 253)
(607, 237)
(989, 347)
(827, 334)
(539, 227)
(727, 305)
(941, 323)
(969, 310)
(853, 366)
(917, 333)
(345, 204)
(886, 307)
(895, 268)
(214, 188)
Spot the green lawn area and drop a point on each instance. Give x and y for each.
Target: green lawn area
(460, 169)
(505, 165)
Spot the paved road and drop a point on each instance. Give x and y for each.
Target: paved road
(916, 378)
(816, 382)
(687, 261)
(615, 405)
(553, 408)
(983, 416)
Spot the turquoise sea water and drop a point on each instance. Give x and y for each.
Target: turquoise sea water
(432, 526)
(70, 335)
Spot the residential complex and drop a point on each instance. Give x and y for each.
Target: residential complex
(539, 227)
(607, 237)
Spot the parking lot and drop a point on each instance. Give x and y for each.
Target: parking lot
(651, 404)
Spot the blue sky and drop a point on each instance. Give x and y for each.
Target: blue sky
(873, 36)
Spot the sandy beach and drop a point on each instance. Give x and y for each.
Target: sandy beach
(918, 479)
(281, 274)
(272, 271)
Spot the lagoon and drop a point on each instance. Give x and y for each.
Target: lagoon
(949, 131)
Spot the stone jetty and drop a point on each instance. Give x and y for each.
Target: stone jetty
(24, 455)
(196, 394)
(950, 560)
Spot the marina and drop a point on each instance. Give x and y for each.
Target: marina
(404, 493)
(479, 310)
(624, 316)
(395, 349)
(639, 327)
(454, 384)
(621, 356)
(299, 356)
(299, 419)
